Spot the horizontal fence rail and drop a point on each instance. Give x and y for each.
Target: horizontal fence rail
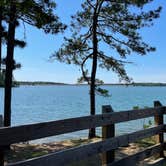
(130, 160)
(109, 142)
(82, 152)
(10, 135)
(1, 120)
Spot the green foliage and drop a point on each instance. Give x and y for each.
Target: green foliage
(2, 80)
(40, 14)
(136, 107)
(102, 92)
(101, 24)
(145, 125)
(149, 124)
(146, 142)
(117, 27)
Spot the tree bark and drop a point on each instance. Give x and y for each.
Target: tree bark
(9, 64)
(0, 36)
(92, 131)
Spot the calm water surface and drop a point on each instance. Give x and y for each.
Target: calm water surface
(32, 104)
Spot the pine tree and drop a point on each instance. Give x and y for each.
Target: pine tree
(39, 14)
(106, 22)
(1, 29)
(3, 38)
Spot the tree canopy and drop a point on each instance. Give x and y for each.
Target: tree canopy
(101, 24)
(38, 13)
(117, 26)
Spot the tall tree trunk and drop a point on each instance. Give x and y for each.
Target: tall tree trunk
(92, 131)
(0, 36)
(9, 64)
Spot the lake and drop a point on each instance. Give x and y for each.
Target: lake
(31, 104)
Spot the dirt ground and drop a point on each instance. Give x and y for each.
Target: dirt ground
(25, 151)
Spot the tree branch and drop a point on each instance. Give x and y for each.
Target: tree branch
(82, 68)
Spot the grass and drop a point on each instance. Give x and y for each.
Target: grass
(146, 142)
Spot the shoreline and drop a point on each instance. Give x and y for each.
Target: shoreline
(38, 83)
(24, 151)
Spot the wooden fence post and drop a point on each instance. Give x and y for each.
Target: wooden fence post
(108, 131)
(1, 150)
(159, 120)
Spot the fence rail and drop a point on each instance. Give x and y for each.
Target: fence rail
(82, 152)
(10, 135)
(130, 160)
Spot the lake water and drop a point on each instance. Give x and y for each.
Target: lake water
(31, 104)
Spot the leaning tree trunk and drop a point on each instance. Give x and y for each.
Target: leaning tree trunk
(9, 64)
(92, 131)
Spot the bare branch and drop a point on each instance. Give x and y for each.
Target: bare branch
(88, 1)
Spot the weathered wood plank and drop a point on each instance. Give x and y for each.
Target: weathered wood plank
(159, 120)
(74, 154)
(1, 158)
(9, 135)
(1, 148)
(135, 158)
(108, 131)
(158, 162)
(164, 109)
(1, 120)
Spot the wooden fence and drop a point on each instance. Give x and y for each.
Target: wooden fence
(109, 142)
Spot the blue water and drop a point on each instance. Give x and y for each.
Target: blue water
(31, 104)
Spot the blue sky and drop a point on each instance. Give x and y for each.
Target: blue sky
(36, 67)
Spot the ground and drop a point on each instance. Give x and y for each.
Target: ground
(25, 151)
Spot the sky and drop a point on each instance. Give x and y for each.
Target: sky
(36, 66)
